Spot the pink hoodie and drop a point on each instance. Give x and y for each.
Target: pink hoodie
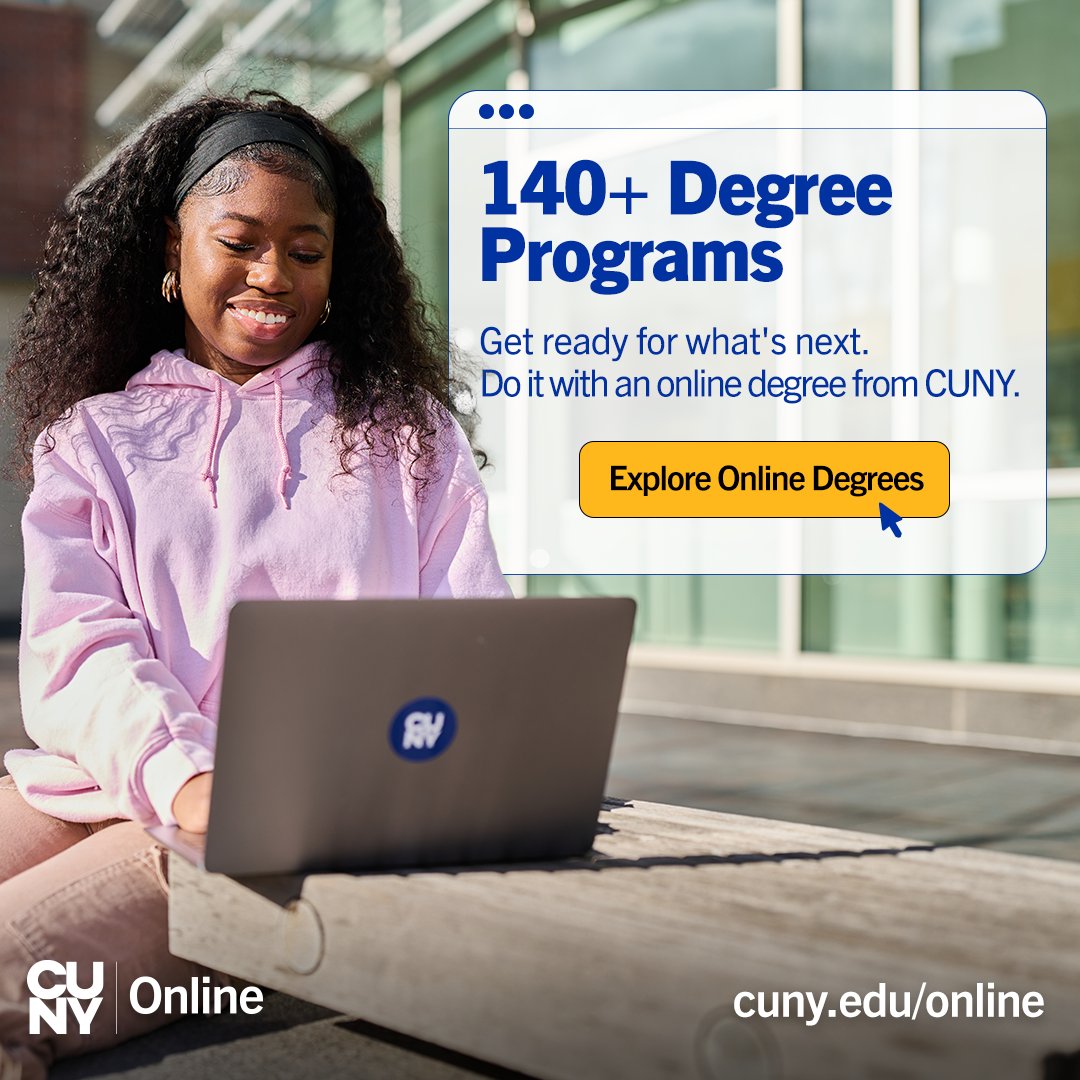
(161, 506)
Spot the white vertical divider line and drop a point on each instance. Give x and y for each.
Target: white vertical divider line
(789, 76)
(790, 307)
(517, 315)
(905, 287)
(517, 408)
(789, 601)
(391, 109)
(905, 51)
(391, 163)
(789, 45)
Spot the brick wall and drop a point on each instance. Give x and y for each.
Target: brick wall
(42, 123)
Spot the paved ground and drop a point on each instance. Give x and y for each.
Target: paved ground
(1013, 802)
(955, 795)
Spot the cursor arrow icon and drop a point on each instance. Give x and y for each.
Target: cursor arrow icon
(890, 519)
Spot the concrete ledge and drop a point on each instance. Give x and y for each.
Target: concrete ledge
(624, 965)
(1014, 708)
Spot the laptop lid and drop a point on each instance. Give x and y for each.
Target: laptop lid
(392, 733)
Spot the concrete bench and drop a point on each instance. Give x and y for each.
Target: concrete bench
(627, 964)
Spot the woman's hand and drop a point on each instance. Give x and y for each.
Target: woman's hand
(191, 807)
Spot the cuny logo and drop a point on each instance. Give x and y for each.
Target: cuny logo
(51, 1004)
(422, 729)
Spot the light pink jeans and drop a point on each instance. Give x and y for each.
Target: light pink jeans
(78, 892)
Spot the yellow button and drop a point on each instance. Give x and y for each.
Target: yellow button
(763, 479)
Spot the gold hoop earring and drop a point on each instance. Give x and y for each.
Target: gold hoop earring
(326, 312)
(170, 287)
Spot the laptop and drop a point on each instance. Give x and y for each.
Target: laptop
(369, 734)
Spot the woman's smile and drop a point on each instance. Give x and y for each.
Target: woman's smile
(262, 321)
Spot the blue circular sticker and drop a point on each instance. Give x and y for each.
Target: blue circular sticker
(422, 729)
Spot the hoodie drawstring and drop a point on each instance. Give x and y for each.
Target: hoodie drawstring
(209, 472)
(211, 455)
(286, 464)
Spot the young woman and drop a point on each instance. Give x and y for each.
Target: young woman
(238, 396)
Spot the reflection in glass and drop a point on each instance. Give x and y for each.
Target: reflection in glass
(982, 44)
(847, 46)
(657, 45)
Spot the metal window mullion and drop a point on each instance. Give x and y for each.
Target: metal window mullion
(518, 313)
(905, 45)
(789, 76)
(789, 44)
(391, 153)
(391, 116)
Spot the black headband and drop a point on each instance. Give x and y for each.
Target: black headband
(238, 129)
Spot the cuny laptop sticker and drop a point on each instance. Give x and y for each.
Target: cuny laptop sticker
(422, 729)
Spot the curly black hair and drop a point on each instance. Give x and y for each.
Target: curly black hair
(97, 314)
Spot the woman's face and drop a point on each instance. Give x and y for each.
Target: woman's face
(254, 268)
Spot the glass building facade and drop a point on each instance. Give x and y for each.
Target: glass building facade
(385, 74)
